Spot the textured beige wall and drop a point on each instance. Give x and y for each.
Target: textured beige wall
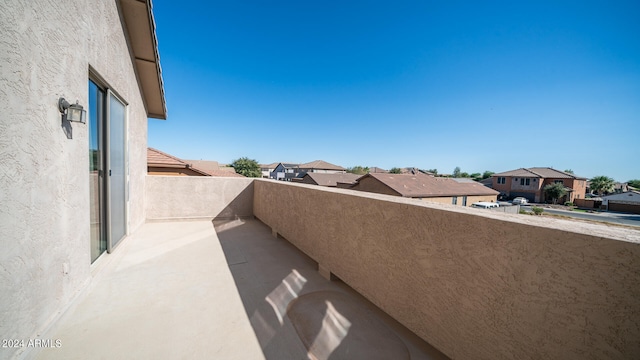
(476, 284)
(179, 197)
(46, 49)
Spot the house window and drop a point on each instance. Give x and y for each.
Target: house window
(502, 180)
(464, 200)
(454, 200)
(525, 182)
(558, 182)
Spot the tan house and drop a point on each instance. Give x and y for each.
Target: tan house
(426, 187)
(530, 182)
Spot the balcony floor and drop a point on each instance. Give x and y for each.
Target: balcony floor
(183, 289)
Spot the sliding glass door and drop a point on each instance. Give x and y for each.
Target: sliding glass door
(108, 169)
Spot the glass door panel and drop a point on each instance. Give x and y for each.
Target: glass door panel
(117, 171)
(96, 171)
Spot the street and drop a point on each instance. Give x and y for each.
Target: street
(612, 217)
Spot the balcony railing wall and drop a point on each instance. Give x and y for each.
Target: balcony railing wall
(193, 197)
(474, 284)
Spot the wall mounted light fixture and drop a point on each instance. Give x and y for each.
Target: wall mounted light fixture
(73, 112)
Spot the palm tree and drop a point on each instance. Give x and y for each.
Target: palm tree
(602, 184)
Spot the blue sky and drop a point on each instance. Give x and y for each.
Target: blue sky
(480, 85)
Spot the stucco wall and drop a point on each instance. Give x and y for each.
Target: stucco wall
(179, 197)
(46, 49)
(475, 284)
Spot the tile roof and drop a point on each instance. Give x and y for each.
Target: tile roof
(421, 185)
(326, 179)
(288, 165)
(269, 166)
(157, 158)
(321, 164)
(540, 172)
(213, 168)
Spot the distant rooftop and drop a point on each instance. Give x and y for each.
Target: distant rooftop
(540, 172)
(421, 185)
(321, 165)
(326, 179)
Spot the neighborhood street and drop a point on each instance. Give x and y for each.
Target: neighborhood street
(612, 217)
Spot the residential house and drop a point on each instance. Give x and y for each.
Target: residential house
(530, 182)
(328, 179)
(426, 187)
(321, 166)
(289, 171)
(213, 168)
(70, 190)
(285, 171)
(628, 202)
(161, 163)
(267, 170)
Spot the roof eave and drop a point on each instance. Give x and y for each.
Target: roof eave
(143, 42)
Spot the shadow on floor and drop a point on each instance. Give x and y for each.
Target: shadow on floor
(298, 314)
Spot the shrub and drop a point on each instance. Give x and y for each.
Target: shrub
(537, 210)
(568, 203)
(525, 212)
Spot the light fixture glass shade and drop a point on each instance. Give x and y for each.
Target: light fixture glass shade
(76, 113)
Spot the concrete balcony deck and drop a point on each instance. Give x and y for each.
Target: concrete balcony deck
(184, 290)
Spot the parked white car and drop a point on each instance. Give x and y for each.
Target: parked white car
(485, 205)
(520, 201)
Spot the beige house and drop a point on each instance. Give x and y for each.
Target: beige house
(427, 188)
(530, 182)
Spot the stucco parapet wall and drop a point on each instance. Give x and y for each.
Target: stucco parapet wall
(473, 283)
(198, 197)
(592, 229)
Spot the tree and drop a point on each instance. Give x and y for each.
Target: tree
(433, 171)
(358, 170)
(395, 170)
(634, 183)
(456, 172)
(476, 176)
(247, 167)
(569, 171)
(602, 185)
(555, 191)
(464, 175)
(487, 174)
